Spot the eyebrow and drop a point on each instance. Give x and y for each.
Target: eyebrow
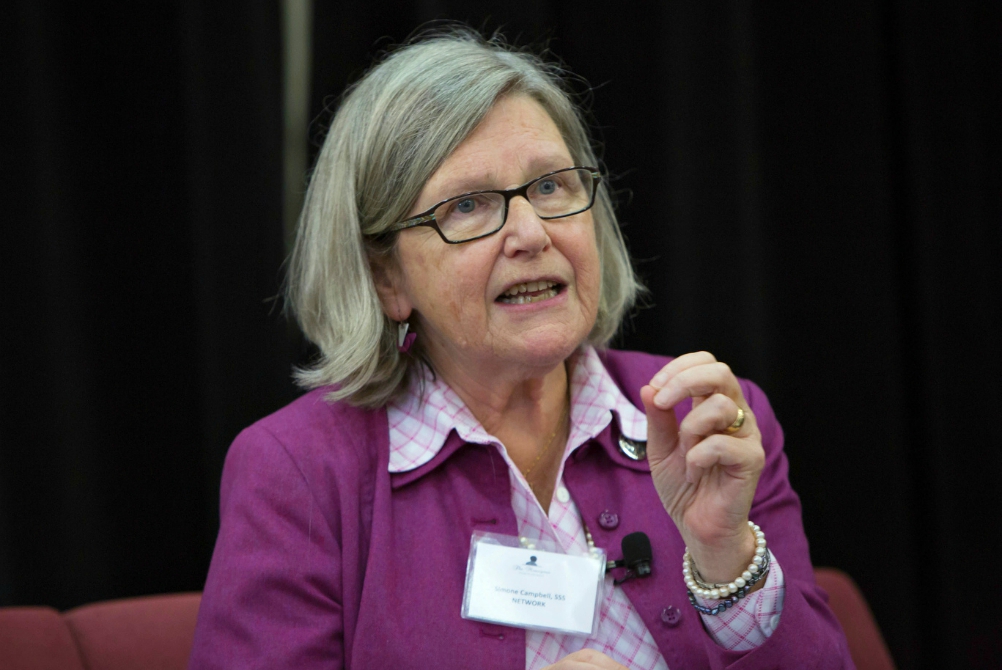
(488, 180)
(468, 184)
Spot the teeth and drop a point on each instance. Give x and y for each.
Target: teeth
(545, 291)
(529, 287)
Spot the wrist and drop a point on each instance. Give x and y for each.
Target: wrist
(728, 593)
(724, 559)
(717, 600)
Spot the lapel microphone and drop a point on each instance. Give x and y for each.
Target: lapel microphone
(637, 557)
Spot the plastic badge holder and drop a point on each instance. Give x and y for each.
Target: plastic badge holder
(537, 589)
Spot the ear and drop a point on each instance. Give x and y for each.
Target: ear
(389, 285)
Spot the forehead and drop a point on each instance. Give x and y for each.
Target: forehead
(516, 141)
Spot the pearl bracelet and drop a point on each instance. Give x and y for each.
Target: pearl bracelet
(734, 591)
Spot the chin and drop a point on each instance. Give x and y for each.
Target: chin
(547, 353)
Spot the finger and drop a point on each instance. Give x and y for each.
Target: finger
(738, 457)
(587, 659)
(662, 427)
(681, 363)
(716, 414)
(701, 380)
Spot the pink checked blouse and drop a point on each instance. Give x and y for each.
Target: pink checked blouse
(419, 429)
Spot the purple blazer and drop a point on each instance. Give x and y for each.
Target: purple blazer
(327, 560)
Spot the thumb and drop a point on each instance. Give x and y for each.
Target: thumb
(662, 427)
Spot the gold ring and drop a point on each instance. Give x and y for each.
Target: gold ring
(738, 422)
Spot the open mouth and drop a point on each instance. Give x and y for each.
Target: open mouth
(533, 291)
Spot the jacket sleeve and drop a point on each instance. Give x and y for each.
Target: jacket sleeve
(272, 597)
(808, 634)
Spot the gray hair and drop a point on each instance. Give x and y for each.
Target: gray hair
(393, 129)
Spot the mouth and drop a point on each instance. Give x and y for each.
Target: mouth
(529, 292)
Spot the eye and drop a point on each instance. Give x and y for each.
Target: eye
(465, 206)
(547, 186)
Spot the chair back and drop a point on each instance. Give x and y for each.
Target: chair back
(866, 644)
(151, 633)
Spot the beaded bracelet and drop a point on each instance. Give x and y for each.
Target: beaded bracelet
(729, 594)
(730, 600)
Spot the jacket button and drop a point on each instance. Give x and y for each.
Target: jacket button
(671, 616)
(608, 520)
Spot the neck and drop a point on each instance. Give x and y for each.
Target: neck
(500, 403)
(522, 408)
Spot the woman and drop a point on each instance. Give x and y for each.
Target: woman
(459, 266)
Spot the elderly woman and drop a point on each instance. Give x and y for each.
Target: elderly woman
(459, 265)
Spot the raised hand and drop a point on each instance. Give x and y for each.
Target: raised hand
(705, 469)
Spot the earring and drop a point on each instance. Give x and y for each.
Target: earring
(404, 339)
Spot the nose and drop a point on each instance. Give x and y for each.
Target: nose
(524, 231)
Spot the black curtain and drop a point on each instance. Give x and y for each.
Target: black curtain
(141, 252)
(812, 192)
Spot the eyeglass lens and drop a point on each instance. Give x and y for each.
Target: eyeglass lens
(553, 196)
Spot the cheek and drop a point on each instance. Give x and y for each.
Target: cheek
(455, 301)
(468, 286)
(419, 276)
(588, 270)
(447, 288)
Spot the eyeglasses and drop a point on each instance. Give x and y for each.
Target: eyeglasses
(470, 216)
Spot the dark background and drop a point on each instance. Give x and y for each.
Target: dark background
(813, 191)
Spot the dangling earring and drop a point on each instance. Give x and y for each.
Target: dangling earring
(404, 339)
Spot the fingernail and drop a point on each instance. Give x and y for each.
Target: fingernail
(659, 380)
(661, 399)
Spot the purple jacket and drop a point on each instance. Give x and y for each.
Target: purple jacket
(326, 560)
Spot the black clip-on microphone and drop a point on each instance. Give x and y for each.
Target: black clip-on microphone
(637, 557)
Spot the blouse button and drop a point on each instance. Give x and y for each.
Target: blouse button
(671, 616)
(563, 495)
(608, 520)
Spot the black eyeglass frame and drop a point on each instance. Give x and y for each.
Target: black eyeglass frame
(427, 218)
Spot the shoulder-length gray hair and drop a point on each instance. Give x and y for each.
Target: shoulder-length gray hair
(392, 131)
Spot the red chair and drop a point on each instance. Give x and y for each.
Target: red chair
(155, 632)
(865, 641)
(151, 633)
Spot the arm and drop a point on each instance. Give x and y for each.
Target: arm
(272, 597)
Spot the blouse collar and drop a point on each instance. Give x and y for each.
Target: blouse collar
(419, 429)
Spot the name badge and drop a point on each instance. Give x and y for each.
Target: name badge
(538, 589)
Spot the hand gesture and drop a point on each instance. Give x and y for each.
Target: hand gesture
(705, 469)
